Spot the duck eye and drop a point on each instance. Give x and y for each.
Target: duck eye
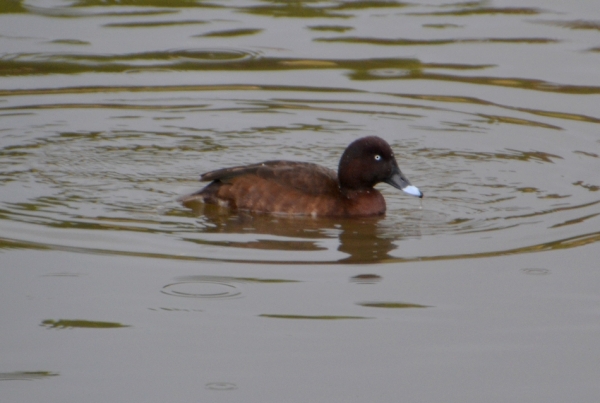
(377, 157)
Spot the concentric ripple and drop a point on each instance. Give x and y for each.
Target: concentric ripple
(204, 287)
(113, 187)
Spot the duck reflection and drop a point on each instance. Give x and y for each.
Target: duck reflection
(361, 240)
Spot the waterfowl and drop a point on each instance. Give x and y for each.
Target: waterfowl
(302, 188)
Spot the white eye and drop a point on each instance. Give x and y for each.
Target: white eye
(377, 157)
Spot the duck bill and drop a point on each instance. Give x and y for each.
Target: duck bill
(399, 181)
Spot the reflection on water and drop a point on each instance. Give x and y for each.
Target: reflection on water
(26, 375)
(361, 239)
(312, 317)
(366, 279)
(394, 305)
(31, 64)
(221, 386)
(414, 42)
(79, 323)
(207, 60)
(480, 8)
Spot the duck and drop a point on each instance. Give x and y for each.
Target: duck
(302, 188)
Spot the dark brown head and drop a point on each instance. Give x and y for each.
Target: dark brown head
(369, 161)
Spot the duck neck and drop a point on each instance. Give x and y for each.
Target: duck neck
(364, 202)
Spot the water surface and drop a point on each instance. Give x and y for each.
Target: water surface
(487, 289)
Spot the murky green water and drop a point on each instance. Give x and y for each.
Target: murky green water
(486, 290)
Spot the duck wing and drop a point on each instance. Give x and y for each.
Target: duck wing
(303, 176)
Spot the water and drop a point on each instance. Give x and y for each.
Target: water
(487, 289)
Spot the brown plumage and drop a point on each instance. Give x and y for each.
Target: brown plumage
(301, 188)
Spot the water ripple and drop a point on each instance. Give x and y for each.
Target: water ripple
(111, 187)
(208, 287)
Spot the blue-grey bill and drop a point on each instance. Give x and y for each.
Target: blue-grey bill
(413, 191)
(399, 181)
